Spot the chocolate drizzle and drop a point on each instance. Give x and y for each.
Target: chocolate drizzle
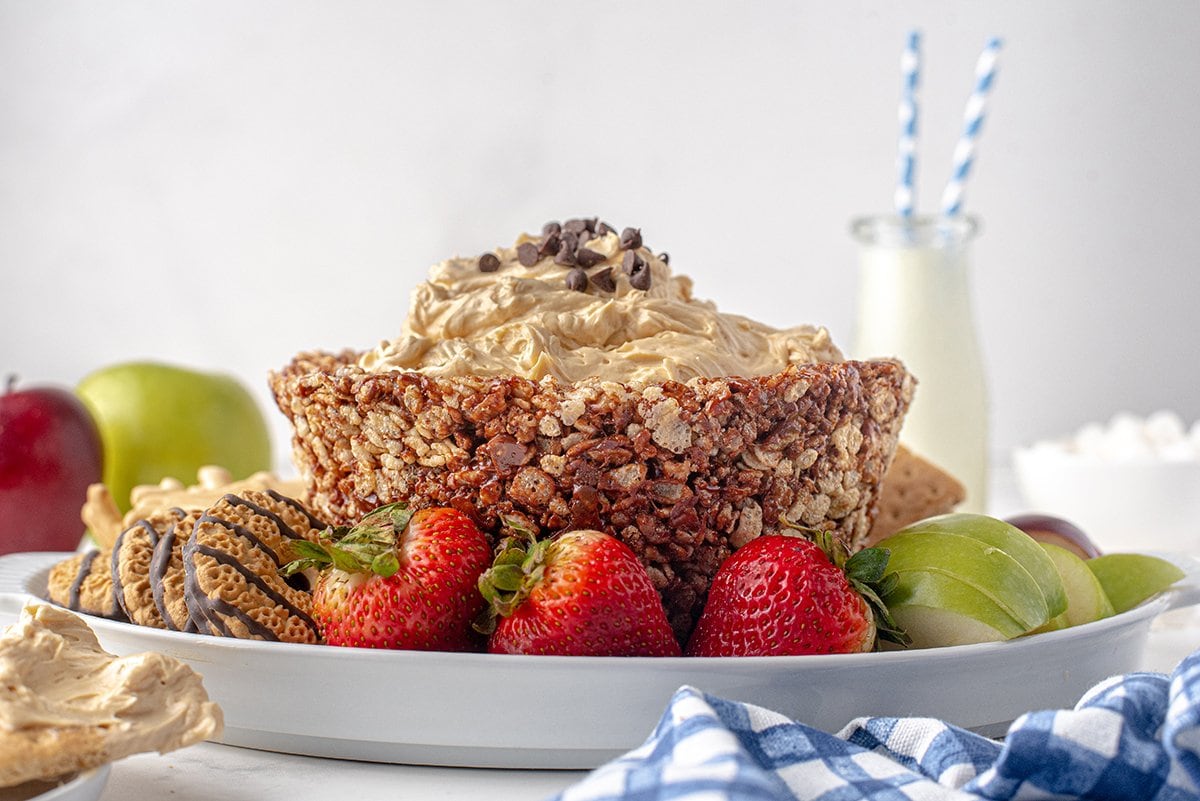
(85, 568)
(158, 571)
(166, 551)
(284, 529)
(114, 560)
(313, 521)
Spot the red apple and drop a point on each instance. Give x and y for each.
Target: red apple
(49, 453)
(1056, 531)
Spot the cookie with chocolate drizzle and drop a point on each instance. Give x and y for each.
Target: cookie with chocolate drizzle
(83, 583)
(232, 583)
(166, 574)
(132, 556)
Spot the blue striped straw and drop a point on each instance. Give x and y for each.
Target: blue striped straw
(964, 151)
(906, 158)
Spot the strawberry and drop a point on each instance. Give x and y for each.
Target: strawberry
(583, 593)
(399, 579)
(786, 594)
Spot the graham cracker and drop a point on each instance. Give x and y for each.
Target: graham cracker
(913, 489)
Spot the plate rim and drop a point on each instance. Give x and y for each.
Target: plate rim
(1184, 593)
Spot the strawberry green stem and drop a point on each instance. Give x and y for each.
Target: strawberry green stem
(367, 546)
(518, 567)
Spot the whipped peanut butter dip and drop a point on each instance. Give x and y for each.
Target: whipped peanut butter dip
(535, 310)
(66, 704)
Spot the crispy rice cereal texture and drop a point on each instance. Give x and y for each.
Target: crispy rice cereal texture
(683, 473)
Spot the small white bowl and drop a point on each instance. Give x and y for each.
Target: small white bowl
(86, 786)
(1143, 504)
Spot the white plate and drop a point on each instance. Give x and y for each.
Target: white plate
(86, 786)
(483, 710)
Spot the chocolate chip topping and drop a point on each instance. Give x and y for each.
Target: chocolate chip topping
(577, 280)
(566, 253)
(577, 226)
(567, 243)
(631, 262)
(641, 278)
(637, 269)
(665, 258)
(588, 258)
(527, 254)
(604, 280)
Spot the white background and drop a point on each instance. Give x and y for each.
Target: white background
(223, 184)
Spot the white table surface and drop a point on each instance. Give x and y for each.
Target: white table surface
(208, 771)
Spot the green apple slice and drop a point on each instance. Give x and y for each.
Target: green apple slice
(1130, 578)
(985, 568)
(937, 610)
(940, 628)
(1010, 539)
(1086, 599)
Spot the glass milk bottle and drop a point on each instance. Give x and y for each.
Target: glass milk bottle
(914, 304)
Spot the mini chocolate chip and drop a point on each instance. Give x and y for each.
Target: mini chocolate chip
(577, 280)
(640, 278)
(506, 453)
(604, 280)
(551, 227)
(549, 245)
(665, 258)
(592, 223)
(566, 253)
(631, 238)
(631, 262)
(588, 258)
(488, 263)
(603, 229)
(527, 254)
(575, 226)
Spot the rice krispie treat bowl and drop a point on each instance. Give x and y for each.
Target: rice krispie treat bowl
(684, 469)
(683, 473)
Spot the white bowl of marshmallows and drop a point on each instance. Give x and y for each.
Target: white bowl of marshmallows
(1133, 483)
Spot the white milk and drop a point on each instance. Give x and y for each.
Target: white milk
(914, 304)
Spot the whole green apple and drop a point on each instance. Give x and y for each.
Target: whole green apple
(158, 420)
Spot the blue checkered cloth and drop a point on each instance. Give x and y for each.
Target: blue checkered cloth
(1135, 736)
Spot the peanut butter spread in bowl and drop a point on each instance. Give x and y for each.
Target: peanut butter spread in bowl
(605, 307)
